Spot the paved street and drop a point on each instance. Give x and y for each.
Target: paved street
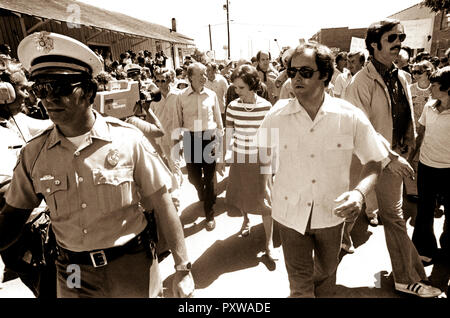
(228, 266)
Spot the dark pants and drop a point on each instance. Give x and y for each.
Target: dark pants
(430, 183)
(133, 275)
(311, 260)
(199, 154)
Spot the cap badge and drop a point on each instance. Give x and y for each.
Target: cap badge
(113, 157)
(44, 42)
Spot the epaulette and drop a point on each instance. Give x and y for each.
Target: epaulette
(42, 133)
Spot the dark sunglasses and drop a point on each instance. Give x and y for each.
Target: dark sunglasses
(56, 88)
(304, 71)
(418, 72)
(392, 37)
(160, 81)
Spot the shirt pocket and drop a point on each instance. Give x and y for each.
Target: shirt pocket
(113, 188)
(55, 194)
(338, 150)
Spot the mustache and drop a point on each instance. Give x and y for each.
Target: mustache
(396, 47)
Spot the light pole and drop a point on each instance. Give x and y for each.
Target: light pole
(226, 7)
(210, 38)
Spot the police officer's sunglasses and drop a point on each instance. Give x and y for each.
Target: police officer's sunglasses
(56, 88)
(304, 71)
(392, 37)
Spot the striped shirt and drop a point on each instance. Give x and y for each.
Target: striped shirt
(245, 120)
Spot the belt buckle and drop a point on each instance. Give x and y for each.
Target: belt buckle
(98, 258)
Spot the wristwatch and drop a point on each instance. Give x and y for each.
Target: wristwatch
(185, 267)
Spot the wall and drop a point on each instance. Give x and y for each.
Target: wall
(11, 33)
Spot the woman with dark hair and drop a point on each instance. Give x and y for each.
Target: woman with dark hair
(246, 189)
(433, 173)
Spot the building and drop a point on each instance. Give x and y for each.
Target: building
(425, 30)
(338, 39)
(100, 29)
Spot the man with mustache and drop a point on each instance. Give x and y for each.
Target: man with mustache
(381, 90)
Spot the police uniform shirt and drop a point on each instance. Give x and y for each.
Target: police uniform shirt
(93, 192)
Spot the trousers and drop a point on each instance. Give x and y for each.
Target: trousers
(199, 154)
(133, 275)
(431, 182)
(311, 260)
(406, 264)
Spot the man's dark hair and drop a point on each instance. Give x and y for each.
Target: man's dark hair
(178, 71)
(341, 56)
(249, 75)
(442, 77)
(141, 60)
(258, 55)
(323, 55)
(5, 49)
(422, 56)
(376, 31)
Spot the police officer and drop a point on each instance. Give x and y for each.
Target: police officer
(97, 174)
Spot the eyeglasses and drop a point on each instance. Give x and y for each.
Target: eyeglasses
(160, 81)
(392, 37)
(57, 88)
(418, 72)
(304, 71)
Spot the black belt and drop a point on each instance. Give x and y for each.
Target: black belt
(99, 258)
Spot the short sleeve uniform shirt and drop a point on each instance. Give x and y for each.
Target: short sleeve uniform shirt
(93, 192)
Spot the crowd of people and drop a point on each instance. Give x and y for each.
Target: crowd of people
(312, 139)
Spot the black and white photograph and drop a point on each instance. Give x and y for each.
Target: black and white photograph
(225, 154)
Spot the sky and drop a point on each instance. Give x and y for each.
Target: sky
(255, 24)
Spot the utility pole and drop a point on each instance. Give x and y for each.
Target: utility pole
(210, 39)
(228, 26)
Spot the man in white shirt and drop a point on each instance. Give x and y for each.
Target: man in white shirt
(198, 115)
(355, 62)
(218, 84)
(317, 136)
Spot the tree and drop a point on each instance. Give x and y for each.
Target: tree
(437, 5)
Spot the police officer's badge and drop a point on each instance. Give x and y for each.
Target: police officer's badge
(44, 42)
(113, 157)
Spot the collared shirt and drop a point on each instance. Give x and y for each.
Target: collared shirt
(341, 83)
(399, 102)
(314, 158)
(93, 192)
(286, 90)
(198, 111)
(435, 149)
(220, 87)
(369, 92)
(165, 110)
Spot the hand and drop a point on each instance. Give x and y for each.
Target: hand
(183, 285)
(351, 205)
(401, 167)
(220, 168)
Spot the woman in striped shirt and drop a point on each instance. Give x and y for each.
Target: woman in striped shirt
(245, 189)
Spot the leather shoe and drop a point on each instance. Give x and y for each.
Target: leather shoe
(210, 224)
(373, 220)
(348, 249)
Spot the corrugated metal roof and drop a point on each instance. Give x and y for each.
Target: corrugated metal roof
(64, 11)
